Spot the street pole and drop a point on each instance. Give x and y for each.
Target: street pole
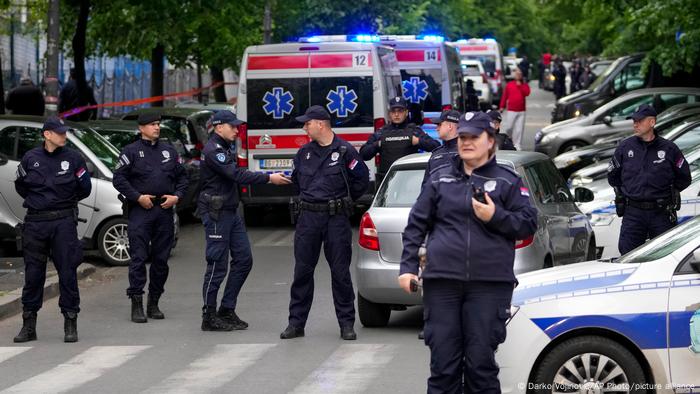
(51, 76)
(267, 23)
(12, 49)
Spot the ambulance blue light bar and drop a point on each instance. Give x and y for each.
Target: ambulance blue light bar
(364, 38)
(431, 37)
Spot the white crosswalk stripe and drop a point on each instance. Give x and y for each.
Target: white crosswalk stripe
(213, 370)
(350, 369)
(7, 353)
(87, 366)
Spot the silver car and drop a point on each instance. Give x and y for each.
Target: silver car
(564, 234)
(101, 225)
(608, 119)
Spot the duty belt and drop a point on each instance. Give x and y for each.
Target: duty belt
(40, 216)
(333, 207)
(649, 205)
(316, 207)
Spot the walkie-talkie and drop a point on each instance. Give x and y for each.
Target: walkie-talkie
(478, 194)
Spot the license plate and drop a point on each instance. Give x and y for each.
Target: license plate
(275, 164)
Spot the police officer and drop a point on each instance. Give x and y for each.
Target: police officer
(330, 175)
(503, 140)
(648, 173)
(396, 139)
(224, 229)
(51, 179)
(152, 181)
(447, 131)
(468, 278)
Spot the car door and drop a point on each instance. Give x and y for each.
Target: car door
(8, 171)
(555, 223)
(27, 138)
(683, 321)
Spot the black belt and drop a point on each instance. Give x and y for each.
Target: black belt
(40, 216)
(316, 207)
(649, 205)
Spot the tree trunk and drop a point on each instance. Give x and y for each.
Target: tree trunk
(2, 89)
(157, 66)
(217, 75)
(267, 23)
(85, 94)
(52, 57)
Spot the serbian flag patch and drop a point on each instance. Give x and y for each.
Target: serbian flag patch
(352, 164)
(524, 192)
(80, 172)
(680, 162)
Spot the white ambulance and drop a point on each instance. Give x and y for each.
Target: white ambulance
(431, 74)
(352, 77)
(488, 51)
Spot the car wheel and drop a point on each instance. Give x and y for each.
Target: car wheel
(571, 145)
(592, 253)
(372, 314)
(113, 242)
(589, 364)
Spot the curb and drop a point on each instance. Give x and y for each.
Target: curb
(11, 303)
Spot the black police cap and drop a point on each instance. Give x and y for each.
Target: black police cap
(147, 118)
(315, 112)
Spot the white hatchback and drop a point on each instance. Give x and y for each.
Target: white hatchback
(473, 70)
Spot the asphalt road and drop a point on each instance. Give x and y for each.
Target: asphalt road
(174, 355)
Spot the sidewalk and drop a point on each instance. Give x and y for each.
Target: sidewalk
(12, 280)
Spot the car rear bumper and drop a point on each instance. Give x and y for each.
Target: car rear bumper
(377, 280)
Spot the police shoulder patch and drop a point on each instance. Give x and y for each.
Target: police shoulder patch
(221, 157)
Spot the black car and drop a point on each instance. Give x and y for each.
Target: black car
(121, 133)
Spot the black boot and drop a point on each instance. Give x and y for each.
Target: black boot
(70, 327)
(28, 331)
(292, 332)
(137, 315)
(211, 322)
(348, 333)
(152, 309)
(229, 316)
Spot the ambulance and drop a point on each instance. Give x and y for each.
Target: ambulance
(353, 77)
(488, 51)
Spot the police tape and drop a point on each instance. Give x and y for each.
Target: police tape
(152, 99)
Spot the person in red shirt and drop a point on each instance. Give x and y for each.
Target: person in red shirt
(513, 100)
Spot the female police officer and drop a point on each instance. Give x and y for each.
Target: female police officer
(468, 279)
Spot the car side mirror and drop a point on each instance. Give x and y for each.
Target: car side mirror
(582, 194)
(90, 166)
(607, 119)
(695, 264)
(3, 159)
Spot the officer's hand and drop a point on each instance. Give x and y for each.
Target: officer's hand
(170, 200)
(279, 179)
(484, 211)
(145, 201)
(405, 282)
(414, 140)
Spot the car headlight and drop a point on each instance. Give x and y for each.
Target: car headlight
(602, 219)
(513, 310)
(547, 138)
(577, 113)
(580, 181)
(565, 162)
(552, 77)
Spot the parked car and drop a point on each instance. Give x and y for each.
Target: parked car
(622, 76)
(599, 67)
(191, 122)
(8, 220)
(602, 149)
(121, 133)
(474, 71)
(564, 234)
(102, 226)
(512, 65)
(627, 325)
(609, 119)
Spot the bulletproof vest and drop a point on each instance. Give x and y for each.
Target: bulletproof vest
(396, 143)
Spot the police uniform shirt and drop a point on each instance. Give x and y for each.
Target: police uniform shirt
(441, 156)
(646, 171)
(147, 167)
(319, 172)
(52, 180)
(396, 142)
(220, 174)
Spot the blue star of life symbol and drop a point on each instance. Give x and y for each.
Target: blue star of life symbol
(415, 90)
(341, 101)
(278, 103)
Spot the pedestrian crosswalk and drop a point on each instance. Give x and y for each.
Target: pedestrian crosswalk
(350, 368)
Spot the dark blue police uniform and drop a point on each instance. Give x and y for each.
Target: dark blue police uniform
(147, 167)
(646, 175)
(468, 279)
(448, 150)
(224, 228)
(328, 178)
(51, 184)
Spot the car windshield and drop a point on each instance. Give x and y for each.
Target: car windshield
(104, 151)
(599, 81)
(664, 244)
(471, 70)
(118, 138)
(400, 187)
(489, 61)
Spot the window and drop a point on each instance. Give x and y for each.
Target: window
(8, 141)
(555, 182)
(471, 70)
(686, 268)
(629, 78)
(329, 93)
(668, 100)
(488, 61)
(688, 139)
(390, 72)
(29, 138)
(401, 187)
(430, 96)
(537, 184)
(627, 107)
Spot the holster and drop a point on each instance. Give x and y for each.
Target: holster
(214, 206)
(125, 205)
(294, 209)
(19, 228)
(620, 202)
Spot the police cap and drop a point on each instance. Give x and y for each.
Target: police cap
(495, 115)
(225, 117)
(55, 124)
(475, 123)
(642, 112)
(398, 102)
(315, 112)
(450, 115)
(147, 118)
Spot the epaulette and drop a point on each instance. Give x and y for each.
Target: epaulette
(509, 169)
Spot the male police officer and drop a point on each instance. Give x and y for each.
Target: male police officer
(396, 139)
(152, 180)
(51, 179)
(225, 231)
(647, 171)
(447, 131)
(329, 174)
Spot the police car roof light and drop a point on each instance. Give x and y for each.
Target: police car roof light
(431, 37)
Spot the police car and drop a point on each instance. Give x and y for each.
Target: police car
(625, 325)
